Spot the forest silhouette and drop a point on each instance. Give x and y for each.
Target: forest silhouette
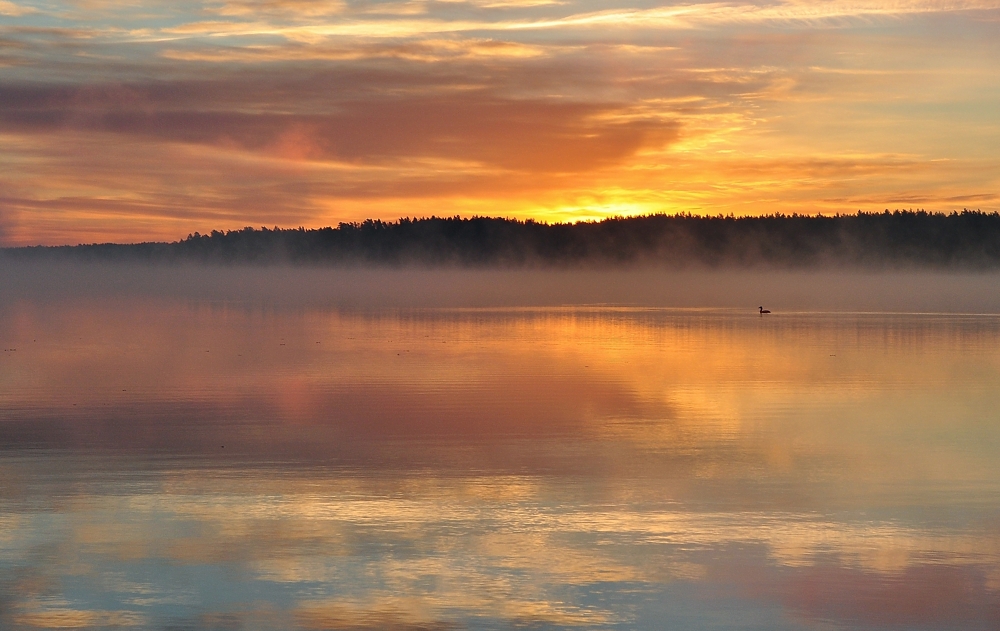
(967, 239)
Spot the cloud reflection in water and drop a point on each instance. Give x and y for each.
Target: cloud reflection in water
(211, 467)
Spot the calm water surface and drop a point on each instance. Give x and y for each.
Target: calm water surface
(188, 465)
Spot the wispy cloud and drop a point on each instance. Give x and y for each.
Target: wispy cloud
(551, 110)
(13, 9)
(681, 17)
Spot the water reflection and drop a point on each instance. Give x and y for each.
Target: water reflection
(210, 466)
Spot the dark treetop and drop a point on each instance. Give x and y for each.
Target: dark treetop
(969, 239)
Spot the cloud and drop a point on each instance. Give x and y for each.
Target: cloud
(676, 17)
(472, 125)
(301, 8)
(6, 218)
(425, 51)
(555, 111)
(15, 10)
(697, 15)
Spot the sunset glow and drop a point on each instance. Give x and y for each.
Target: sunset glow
(130, 121)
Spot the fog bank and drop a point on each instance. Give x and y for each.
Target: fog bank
(897, 291)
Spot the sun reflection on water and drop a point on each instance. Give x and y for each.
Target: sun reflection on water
(204, 467)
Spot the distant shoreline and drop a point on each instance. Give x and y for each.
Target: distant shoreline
(965, 240)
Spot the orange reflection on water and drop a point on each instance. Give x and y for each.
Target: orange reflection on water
(557, 467)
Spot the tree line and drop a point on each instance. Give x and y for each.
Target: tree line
(967, 239)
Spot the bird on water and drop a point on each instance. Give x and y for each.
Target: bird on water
(763, 310)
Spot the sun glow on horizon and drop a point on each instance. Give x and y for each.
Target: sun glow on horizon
(150, 122)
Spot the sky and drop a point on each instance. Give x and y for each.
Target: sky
(147, 120)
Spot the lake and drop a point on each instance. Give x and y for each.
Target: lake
(188, 464)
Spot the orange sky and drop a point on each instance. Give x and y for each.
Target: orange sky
(125, 121)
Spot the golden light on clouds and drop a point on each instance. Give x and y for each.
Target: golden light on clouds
(138, 121)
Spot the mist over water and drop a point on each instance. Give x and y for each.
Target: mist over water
(816, 290)
(303, 448)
